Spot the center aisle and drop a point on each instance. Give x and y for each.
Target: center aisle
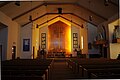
(61, 71)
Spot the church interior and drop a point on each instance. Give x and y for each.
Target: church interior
(60, 40)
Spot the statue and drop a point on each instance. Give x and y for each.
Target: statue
(116, 33)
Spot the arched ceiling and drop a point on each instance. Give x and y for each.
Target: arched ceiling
(71, 9)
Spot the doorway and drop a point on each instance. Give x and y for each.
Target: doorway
(3, 41)
(0, 51)
(59, 39)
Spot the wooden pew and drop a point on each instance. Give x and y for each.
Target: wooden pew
(75, 62)
(25, 73)
(105, 76)
(22, 77)
(27, 66)
(93, 66)
(92, 63)
(87, 72)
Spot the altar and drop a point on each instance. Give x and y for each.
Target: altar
(56, 53)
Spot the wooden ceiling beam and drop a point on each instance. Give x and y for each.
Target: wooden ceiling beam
(38, 7)
(58, 4)
(61, 17)
(5, 3)
(115, 4)
(27, 11)
(84, 19)
(58, 14)
(92, 12)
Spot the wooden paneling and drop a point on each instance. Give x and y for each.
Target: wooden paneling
(58, 39)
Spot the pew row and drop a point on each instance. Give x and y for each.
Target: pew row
(78, 65)
(27, 67)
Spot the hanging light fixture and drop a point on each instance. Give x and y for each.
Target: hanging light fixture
(82, 26)
(106, 2)
(46, 12)
(37, 26)
(59, 10)
(90, 16)
(17, 3)
(30, 16)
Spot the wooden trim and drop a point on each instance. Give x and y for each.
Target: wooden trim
(5, 3)
(117, 5)
(38, 7)
(55, 18)
(71, 21)
(84, 19)
(48, 21)
(34, 19)
(59, 4)
(27, 12)
(62, 17)
(92, 12)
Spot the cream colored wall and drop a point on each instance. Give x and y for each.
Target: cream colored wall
(74, 29)
(44, 29)
(26, 33)
(114, 47)
(35, 40)
(12, 34)
(84, 33)
(114, 50)
(81, 32)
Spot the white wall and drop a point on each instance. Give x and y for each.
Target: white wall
(81, 32)
(114, 47)
(75, 29)
(114, 50)
(92, 33)
(12, 33)
(26, 33)
(84, 34)
(44, 29)
(3, 42)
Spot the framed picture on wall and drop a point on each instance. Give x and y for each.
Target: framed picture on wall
(43, 40)
(75, 40)
(26, 44)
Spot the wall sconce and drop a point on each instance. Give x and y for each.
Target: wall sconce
(82, 44)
